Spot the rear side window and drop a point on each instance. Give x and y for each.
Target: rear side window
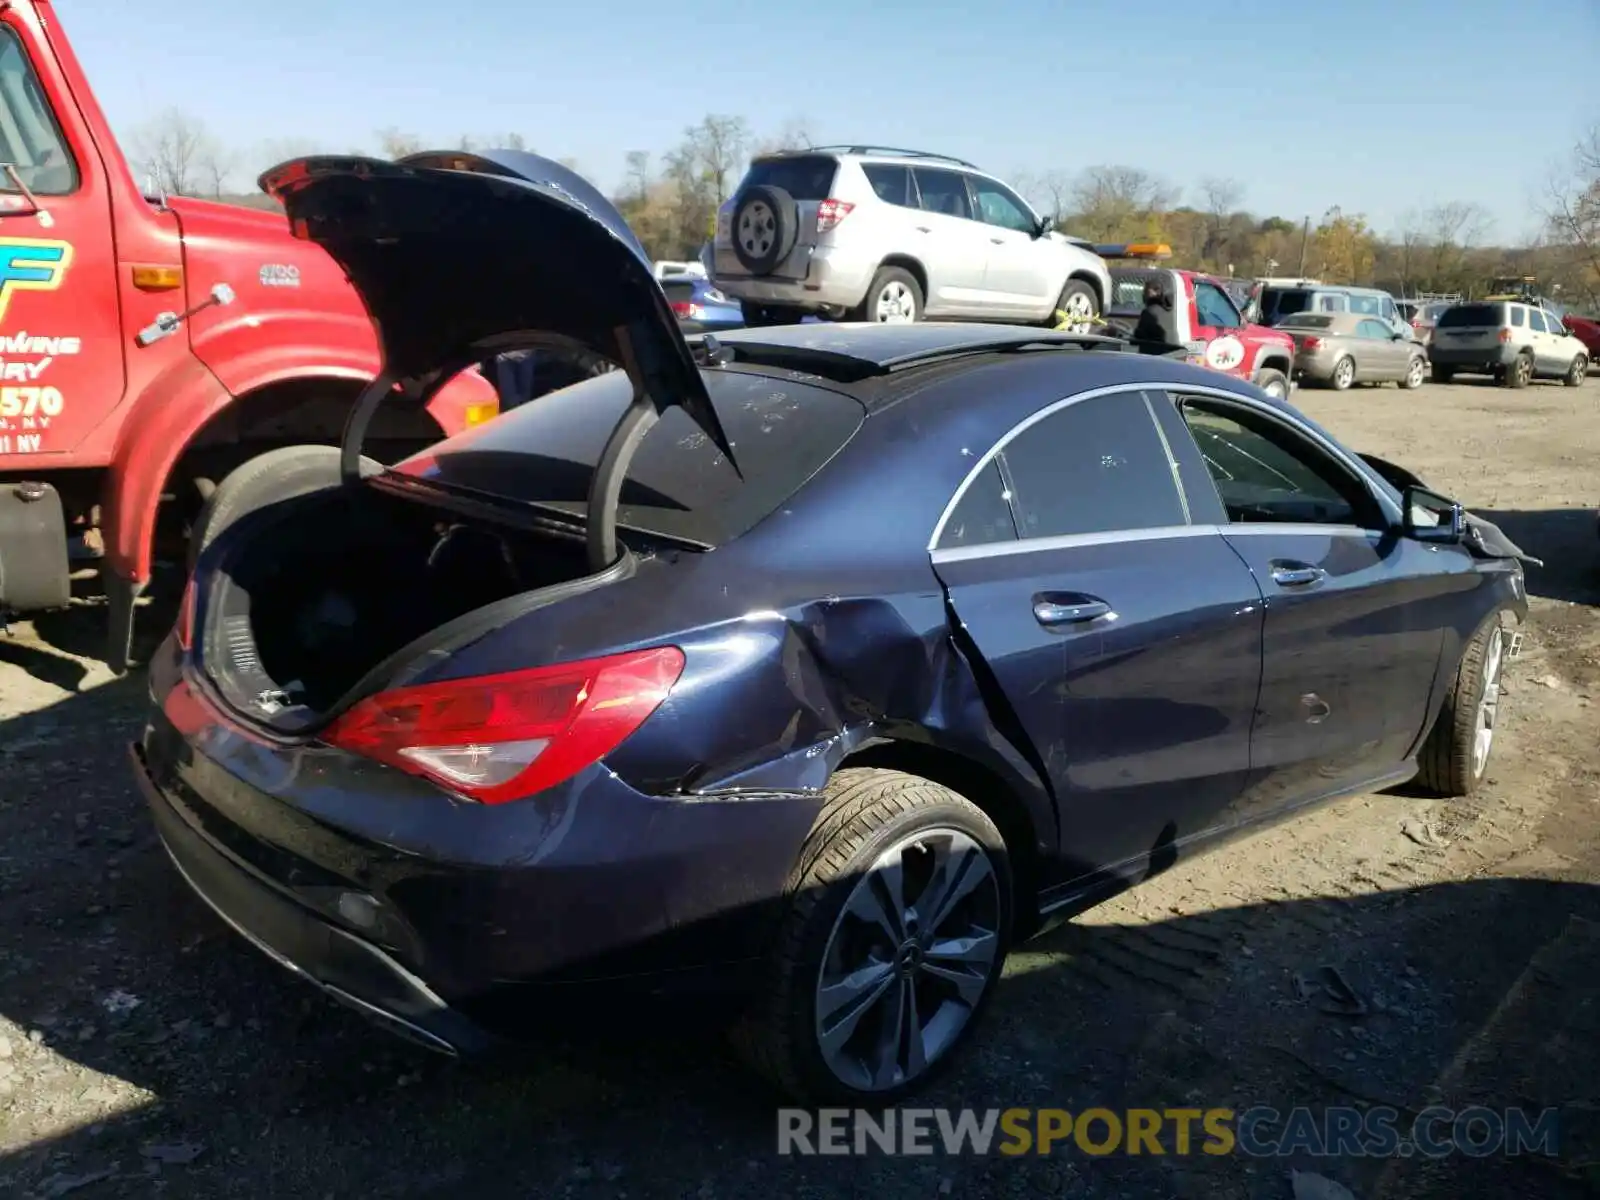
(943, 192)
(1369, 306)
(1307, 321)
(1331, 303)
(984, 514)
(678, 483)
(803, 176)
(1097, 466)
(1280, 302)
(1516, 316)
(890, 183)
(1465, 316)
(30, 139)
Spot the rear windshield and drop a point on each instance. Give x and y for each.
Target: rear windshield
(805, 177)
(678, 484)
(1127, 291)
(1307, 321)
(1280, 302)
(1464, 315)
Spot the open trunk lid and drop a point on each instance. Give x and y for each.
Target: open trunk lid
(459, 256)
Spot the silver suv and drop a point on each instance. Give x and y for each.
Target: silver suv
(877, 234)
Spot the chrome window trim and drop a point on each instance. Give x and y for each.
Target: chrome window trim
(1173, 391)
(1073, 541)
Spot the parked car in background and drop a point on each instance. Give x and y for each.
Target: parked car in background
(1207, 321)
(1513, 341)
(878, 234)
(1339, 350)
(1424, 315)
(1278, 299)
(700, 307)
(746, 672)
(1586, 330)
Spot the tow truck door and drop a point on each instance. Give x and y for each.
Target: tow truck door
(1218, 324)
(61, 346)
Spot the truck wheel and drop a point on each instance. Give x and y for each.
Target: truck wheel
(898, 920)
(281, 474)
(1273, 383)
(1519, 373)
(1456, 755)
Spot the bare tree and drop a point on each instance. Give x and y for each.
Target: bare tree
(1220, 199)
(1050, 192)
(1111, 202)
(1452, 230)
(636, 185)
(1573, 217)
(713, 150)
(177, 154)
(795, 134)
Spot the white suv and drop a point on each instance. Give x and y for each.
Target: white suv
(876, 234)
(1514, 342)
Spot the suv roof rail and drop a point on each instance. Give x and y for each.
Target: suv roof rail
(889, 152)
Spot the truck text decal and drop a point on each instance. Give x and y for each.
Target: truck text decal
(31, 265)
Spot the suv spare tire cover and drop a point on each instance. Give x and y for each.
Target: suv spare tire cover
(775, 224)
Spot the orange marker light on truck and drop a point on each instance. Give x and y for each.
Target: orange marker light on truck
(157, 279)
(477, 414)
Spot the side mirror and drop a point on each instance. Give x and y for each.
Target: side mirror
(1430, 517)
(1043, 228)
(1400, 337)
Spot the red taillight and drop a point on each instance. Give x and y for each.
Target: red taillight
(831, 212)
(495, 738)
(686, 310)
(1311, 343)
(1505, 335)
(185, 626)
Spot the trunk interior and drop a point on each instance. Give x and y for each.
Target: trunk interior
(304, 607)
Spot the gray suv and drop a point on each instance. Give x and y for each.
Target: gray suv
(876, 234)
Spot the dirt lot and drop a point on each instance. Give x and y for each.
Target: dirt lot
(145, 1051)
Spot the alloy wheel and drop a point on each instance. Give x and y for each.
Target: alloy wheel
(1488, 702)
(1415, 374)
(758, 229)
(1080, 313)
(909, 959)
(1344, 373)
(895, 304)
(1579, 369)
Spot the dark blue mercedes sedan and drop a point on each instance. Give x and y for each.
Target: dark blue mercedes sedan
(807, 668)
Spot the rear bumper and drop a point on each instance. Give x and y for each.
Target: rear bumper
(457, 924)
(1478, 358)
(829, 280)
(350, 970)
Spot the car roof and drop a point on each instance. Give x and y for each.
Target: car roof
(861, 150)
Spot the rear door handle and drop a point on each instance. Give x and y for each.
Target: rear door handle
(998, 241)
(1052, 611)
(1296, 574)
(923, 229)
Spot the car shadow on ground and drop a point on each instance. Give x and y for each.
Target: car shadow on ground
(1566, 540)
(251, 1085)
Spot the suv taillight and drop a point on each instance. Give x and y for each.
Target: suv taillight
(1505, 335)
(831, 212)
(494, 738)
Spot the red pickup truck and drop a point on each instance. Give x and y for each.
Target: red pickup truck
(150, 346)
(1206, 317)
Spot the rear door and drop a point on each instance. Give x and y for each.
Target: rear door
(953, 246)
(61, 345)
(809, 180)
(1355, 614)
(1379, 356)
(1023, 276)
(1121, 630)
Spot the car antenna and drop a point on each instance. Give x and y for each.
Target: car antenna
(716, 354)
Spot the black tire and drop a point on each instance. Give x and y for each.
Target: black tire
(1443, 374)
(1338, 370)
(762, 316)
(1273, 382)
(764, 228)
(1446, 765)
(867, 810)
(1077, 289)
(1576, 372)
(1519, 373)
(282, 474)
(886, 278)
(1416, 372)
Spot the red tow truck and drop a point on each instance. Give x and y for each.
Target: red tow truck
(1208, 321)
(149, 347)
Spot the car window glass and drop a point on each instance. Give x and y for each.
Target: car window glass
(1328, 303)
(1517, 318)
(1214, 306)
(1554, 323)
(30, 139)
(1092, 467)
(1266, 473)
(803, 176)
(1365, 305)
(1386, 307)
(1536, 320)
(983, 515)
(943, 191)
(1373, 329)
(891, 183)
(997, 206)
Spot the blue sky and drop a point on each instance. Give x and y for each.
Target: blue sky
(1377, 107)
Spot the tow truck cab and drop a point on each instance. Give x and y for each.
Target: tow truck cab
(149, 346)
(1208, 320)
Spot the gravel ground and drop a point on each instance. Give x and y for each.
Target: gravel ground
(145, 1051)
